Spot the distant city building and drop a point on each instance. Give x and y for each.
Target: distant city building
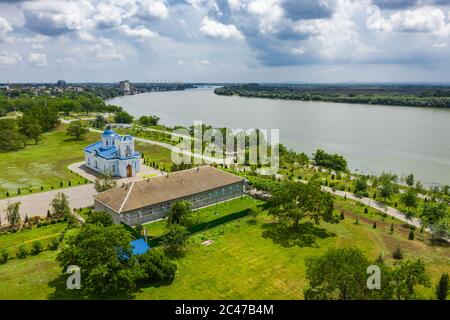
(114, 154)
(125, 86)
(61, 84)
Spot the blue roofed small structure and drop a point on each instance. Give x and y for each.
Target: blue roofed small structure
(139, 247)
(114, 154)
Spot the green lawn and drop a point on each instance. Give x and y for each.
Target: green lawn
(44, 164)
(44, 234)
(247, 260)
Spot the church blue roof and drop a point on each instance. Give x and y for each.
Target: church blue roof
(109, 132)
(106, 153)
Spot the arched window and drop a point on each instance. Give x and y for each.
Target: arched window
(128, 151)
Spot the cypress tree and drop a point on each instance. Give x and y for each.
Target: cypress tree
(442, 287)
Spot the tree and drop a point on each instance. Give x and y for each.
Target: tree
(387, 185)
(104, 182)
(409, 180)
(409, 198)
(397, 254)
(101, 218)
(175, 239)
(439, 230)
(434, 212)
(30, 128)
(406, 276)
(341, 274)
(442, 287)
(180, 213)
(295, 201)
(149, 120)
(77, 129)
(12, 213)
(60, 206)
(361, 186)
(123, 117)
(255, 212)
(157, 267)
(104, 255)
(332, 161)
(10, 138)
(99, 122)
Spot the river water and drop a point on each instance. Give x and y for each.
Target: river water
(372, 138)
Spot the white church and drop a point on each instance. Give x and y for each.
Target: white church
(114, 154)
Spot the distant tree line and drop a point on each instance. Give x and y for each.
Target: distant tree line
(418, 98)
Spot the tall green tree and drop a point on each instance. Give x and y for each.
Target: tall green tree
(407, 275)
(12, 213)
(341, 274)
(60, 206)
(442, 287)
(361, 186)
(104, 255)
(294, 201)
(123, 117)
(180, 213)
(30, 128)
(409, 198)
(77, 129)
(175, 239)
(409, 180)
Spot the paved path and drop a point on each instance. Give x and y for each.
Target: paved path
(37, 204)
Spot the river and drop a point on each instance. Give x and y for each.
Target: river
(372, 138)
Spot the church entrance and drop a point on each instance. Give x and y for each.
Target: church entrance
(129, 171)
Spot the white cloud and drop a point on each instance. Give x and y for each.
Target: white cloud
(180, 62)
(67, 61)
(37, 59)
(203, 63)
(422, 19)
(149, 9)
(214, 29)
(7, 59)
(104, 50)
(108, 16)
(269, 12)
(235, 4)
(140, 32)
(5, 27)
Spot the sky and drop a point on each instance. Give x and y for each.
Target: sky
(225, 40)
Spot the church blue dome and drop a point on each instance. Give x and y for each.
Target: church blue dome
(109, 132)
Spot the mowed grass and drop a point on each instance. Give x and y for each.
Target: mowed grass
(44, 164)
(247, 259)
(44, 234)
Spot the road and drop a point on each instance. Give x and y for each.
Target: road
(37, 204)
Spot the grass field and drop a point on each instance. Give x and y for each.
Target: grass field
(43, 234)
(44, 164)
(247, 260)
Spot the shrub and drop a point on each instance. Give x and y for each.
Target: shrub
(157, 267)
(374, 225)
(398, 253)
(53, 245)
(22, 251)
(366, 210)
(37, 247)
(4, 255)
(411, 235)
(342, 215)
(392, 228)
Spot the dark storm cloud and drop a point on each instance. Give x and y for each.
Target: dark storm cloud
(307, 9)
